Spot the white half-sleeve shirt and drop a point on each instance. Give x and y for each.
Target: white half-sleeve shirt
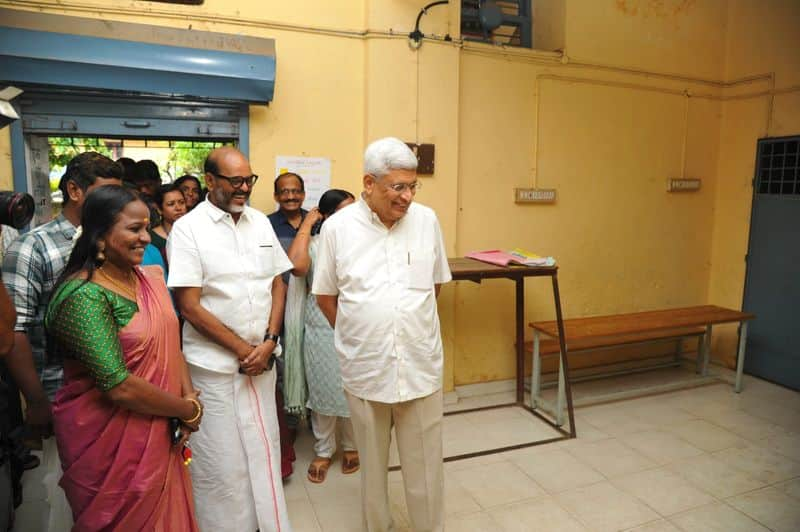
(387, 331)
(234, 265)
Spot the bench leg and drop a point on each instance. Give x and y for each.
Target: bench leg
(706, 351)
(678, 350)
(701, 344)
(536, 371)
(561, 398)
(740, 357)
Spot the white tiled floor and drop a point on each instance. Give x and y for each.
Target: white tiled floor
(702, 459)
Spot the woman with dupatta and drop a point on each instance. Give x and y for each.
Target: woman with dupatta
(113, 325)
(326, 398)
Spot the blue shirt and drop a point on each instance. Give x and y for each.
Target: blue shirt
(285, 233)
(283, 229)
(152, 256)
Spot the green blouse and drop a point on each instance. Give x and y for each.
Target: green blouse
(83, 322)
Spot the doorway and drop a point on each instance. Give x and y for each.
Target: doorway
(772, 283)
(59, 123)
(174, 158)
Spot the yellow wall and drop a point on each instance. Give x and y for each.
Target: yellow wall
(604, 125)
(685, 37)
(622, 242)
(759, 41)
(6, 176)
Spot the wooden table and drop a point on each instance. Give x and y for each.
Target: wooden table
(464, 269)
(624, 326)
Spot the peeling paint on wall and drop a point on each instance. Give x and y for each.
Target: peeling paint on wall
(654, 8)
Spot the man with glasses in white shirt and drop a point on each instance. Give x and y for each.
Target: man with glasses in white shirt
(225, 269)
(380, 264)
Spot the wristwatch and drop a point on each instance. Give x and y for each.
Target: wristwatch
(273, 337)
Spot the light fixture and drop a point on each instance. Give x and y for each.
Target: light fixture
(7, 112)
(490, 16)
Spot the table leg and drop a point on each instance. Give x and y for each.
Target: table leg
(561, 397)
(536, 372)
(706, 350)
(564, 359)
(520, 289)
(740, 357)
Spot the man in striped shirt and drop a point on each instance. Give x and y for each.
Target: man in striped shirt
(32, 265)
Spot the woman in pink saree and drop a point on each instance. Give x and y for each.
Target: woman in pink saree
(113, 324)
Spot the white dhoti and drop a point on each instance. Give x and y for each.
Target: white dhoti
(236, 454)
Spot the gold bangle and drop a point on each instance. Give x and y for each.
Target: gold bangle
(199, 413)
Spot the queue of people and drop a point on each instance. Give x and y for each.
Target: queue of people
(159, 428)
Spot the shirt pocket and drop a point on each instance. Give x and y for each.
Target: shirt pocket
(265, 260)
(420, 269)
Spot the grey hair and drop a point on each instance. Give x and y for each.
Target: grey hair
(387, 154)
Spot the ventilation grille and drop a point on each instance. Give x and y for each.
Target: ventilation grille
(778, 171)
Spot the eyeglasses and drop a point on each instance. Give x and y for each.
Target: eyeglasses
(402, 187)
(287, 191)
(237, 181)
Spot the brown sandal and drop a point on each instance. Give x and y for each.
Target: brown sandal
(318, 469)
(350, 462)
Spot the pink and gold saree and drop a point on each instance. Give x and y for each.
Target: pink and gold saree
(121, 471)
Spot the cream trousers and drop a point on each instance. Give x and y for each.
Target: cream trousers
(418, 426)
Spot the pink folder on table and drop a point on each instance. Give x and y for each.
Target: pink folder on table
(516, 256)
(492, 256)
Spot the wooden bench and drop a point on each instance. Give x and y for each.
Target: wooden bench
(550, 346)
(600, 332)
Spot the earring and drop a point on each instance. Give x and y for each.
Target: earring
(101, 257)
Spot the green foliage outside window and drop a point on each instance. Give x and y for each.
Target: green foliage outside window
(187, 157)
(184, 157)
(63, 149)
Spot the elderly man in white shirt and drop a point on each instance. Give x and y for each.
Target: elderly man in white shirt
(380, 264)
(225, 265)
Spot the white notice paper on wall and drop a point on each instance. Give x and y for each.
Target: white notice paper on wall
(315, 171)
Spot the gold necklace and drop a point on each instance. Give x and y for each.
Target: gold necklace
(128, 290)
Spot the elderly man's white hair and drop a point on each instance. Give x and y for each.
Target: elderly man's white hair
(387, 154)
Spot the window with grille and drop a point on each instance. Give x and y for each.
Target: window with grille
(778, 168)
(516, 27)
